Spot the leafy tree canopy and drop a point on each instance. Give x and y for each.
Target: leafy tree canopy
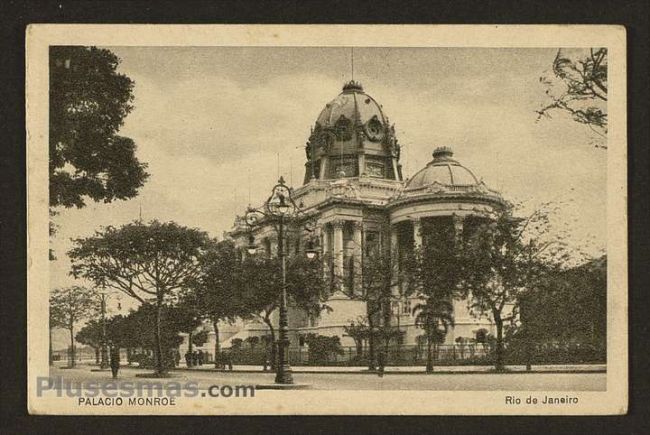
(216, 292)
(70, 305)
(578, 87)
(89, 100)
(553, 301)
(90, 334)
(261, 284)
(138, 328)
(144, 261)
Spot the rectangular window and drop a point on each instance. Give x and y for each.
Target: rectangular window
(347, 164)
(375, 170)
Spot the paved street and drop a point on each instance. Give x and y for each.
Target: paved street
(350, 381)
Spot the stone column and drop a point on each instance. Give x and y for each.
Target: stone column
(325, 239)
(325, 249)
(417, 232)
(394, 165)
(394, 243)
(458, 227)
(362, 164)
(338, 250)
(394, 256)
(324, 167)
(358, 256)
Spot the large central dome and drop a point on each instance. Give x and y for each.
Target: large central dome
(352, 137)
(352, 104)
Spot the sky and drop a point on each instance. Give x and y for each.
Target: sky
(217, 125)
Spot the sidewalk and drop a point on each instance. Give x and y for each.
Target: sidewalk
(566, 368)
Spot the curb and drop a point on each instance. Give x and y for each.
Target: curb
(386, 373)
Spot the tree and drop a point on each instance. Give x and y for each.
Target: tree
(138, 329)
(321, 347)
(252, 341)
(579, 87)
(91, 335)
(216, 292)
(359, 332)
(261, 286)
(151, 263)
(89, 101)
(499, 265)
(188, 318)
(552, 301)
(378, 276)
(436, 275)
(435, 317)
(68, 306)
(51, 325)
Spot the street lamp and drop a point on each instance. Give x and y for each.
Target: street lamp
(278, 208)
(251, 248)
(103, 294)
(311, 251)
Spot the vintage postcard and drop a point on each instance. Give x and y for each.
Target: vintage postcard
(316, 219)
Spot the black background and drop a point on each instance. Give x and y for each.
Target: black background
(16, 15)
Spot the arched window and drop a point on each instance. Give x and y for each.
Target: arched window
(343, 128)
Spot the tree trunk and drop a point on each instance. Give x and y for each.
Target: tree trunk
(73, 361)
(386, 312)
(189, 343)
(97, 355)
(371, 341)
(384, 358)
(51, 351)
(429, 353)
(499, 351)
(160, 366)
(217, 345)
(371, 348)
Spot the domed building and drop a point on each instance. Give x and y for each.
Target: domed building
(354, 190)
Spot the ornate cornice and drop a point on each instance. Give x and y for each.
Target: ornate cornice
(471, 197)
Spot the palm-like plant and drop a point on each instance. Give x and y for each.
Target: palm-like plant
(435, 316)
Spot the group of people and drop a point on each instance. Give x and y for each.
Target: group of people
(196, 358)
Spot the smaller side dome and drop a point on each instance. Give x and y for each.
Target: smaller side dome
(444, 170)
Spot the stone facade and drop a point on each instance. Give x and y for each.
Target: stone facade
(353, 188)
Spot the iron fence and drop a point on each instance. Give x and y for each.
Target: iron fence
(405, 355)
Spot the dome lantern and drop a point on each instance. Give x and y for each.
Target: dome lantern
(442, 153)
(352, 86)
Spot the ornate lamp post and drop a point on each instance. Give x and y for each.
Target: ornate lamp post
(280, 208)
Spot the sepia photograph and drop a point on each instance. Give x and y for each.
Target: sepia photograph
(345, 227)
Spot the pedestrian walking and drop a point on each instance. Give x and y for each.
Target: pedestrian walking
(380, 371)
(199, 357)
(227, 360)
(115, 360)
(188, 359)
